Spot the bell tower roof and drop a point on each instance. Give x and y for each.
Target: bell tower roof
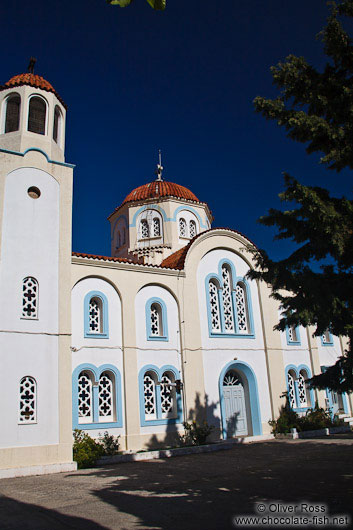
(32, 80)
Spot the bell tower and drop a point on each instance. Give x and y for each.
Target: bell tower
(35, 278)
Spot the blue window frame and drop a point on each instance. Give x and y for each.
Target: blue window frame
(96, 315)
(293, 336)
(96, 397)
(326, 339)
(160, 404)
(300, 396)
(228, 300)
(156, 320)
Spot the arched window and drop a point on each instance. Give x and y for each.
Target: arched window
(242, 308)
(85, 397)
(292, 334)
(57, 125)
(156, 227)
(28, 400)
(118, 241)
(326, 338)
(156, 319)
(149, 392)
(30, 292)
(291, 389)
(182, 227)
(96, 315)
(106, 397)
(228, 313)
(12, 117)
(144, 229)
(192, 229)
(214, 306)
(168, 395)
(37, 115)
(303, 390)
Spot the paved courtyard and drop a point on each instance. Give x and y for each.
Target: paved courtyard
(190, 492)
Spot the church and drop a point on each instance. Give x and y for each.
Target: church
(166, 329)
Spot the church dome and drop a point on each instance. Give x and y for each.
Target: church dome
(33, 80)
(159, 189)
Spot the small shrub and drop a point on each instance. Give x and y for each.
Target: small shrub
(86, 451)
(287, 420)
(109, 443)
(316, 418)
(195, 433)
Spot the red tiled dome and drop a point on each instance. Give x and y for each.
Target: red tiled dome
(158, 189)
(34, 80)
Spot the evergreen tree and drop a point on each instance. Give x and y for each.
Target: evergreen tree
(314, 284)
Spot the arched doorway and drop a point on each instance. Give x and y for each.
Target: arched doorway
(239, 401)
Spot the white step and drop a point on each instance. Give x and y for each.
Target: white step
(341, 416)
(348, 420)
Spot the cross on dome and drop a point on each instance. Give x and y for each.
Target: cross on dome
(160, 168)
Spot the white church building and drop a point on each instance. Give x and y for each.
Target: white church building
(165, 329)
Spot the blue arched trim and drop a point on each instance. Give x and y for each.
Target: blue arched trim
(293, 342)
(188, 209)
(248, 372)
(96, 373)
(159, 374)
(235, 280)
(330, 343)
(164, 318)
(149, 207)
(105, 327)
(124, 218)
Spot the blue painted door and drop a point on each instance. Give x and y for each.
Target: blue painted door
(335, 402)
(234, 405)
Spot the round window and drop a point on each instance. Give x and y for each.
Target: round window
(33, 192)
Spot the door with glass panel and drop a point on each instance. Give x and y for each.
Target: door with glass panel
(234, 405)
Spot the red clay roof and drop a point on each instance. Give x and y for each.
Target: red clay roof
(158, 189)
(104, 258)
(34, 80)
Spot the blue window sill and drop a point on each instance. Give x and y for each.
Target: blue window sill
(88, 426)
(158, 338)
(232, 335)
(96, 336)
(302, 409)
(164, 421)
(294, 343)
(324, 344)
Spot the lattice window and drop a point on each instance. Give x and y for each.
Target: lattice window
(326, 337)
(145, 230)
(85, 399)
(291, 390)
(214, 307)
(231, 379)
(95, 315)
(30, 290)
(302, 391)
(156, 227)
(156, 320)
(242, 310)
(292, 334)
(28, 400)
(37, 115)
(167, 395)
(182, 227)
(105, 397)
(57, 123)
(149, 391)
(192, 229)
(12, 120)
(227, 300)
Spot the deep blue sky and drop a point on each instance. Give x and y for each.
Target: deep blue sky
(136, 80)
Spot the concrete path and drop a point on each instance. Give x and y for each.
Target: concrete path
(189, 492)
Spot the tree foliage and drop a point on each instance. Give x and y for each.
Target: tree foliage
(159, 5)
(314, 284)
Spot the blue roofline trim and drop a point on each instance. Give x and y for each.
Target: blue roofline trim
(65, 164)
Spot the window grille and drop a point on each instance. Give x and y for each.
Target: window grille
(292, 334)
(149, 390)
(105, 397)
(242, 313)
(145, 231)
(37, 115)
(12, 120)
(156, 320)
(182, 227)
(28, 400)
(227, 300)
(214, 307)
(85, 409)
(156, 227)
(30, 298)
(192, 229)
(302, 391)
(291, 390)
(231, 379)
(57, 117)
(95, 315)
(326, 337)
(167, 395)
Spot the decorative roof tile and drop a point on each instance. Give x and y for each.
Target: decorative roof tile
(33, 80)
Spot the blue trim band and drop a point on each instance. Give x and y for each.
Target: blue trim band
(39, 151)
